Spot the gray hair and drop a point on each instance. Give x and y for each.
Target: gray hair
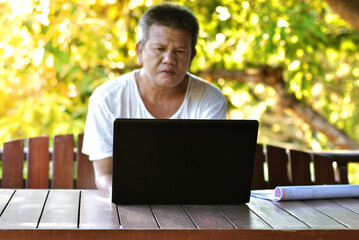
(168, 15)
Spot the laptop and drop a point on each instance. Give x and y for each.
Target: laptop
(167, 161)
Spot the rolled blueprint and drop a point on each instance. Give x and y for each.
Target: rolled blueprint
(285, 193)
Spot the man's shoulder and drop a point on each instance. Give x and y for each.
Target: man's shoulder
(203, 85)
(113, 86)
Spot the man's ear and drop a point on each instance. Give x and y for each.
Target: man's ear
(139, 53)
(193, 54)
(192, 57)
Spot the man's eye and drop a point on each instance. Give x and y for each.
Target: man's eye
(182, 51)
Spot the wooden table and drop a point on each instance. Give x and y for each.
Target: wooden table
(89, 214)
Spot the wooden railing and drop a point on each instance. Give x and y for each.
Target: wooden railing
(31, 163)
(286, 167)
(35, 165)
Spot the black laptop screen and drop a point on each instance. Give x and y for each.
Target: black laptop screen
(183, 161)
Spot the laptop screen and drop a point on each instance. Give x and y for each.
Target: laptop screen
(183, 161)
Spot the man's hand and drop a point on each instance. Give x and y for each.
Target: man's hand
(103, 173)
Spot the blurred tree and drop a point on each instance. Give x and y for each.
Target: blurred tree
(347, 9)
(54, 53)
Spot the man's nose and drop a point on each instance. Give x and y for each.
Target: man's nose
(170, 57)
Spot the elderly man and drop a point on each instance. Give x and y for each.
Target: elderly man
(162, 88)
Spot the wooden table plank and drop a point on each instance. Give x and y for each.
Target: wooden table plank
(172, 217)
(274, 215)
(310, 216)
(175, 234)
(347, 217)
(242, 217)
(349, 203)
(24, 209)
(97, 211)
(61, 210)
(207, 217)
(136, 217)
(5, 195)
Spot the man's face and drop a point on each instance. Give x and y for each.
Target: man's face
(166, 56)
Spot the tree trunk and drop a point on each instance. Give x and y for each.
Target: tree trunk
(347, 9)
(273, 77)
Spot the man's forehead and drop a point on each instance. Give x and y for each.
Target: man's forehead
(159, 28)
(160, 33)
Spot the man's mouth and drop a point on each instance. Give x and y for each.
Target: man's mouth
(168, 71)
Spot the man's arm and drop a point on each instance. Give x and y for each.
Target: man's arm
(103, 173)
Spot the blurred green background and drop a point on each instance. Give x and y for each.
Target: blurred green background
(54, 53)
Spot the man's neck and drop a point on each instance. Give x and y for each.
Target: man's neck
(161, 102)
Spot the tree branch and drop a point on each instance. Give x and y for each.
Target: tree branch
(273, 77)
(347, 9)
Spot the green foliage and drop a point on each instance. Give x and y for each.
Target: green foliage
(54, 53)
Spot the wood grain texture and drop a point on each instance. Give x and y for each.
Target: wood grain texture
(277, 161)
(85, 172)
(24, 209)
(300, 167)
(342, 171)
(38, 160)
(275, 216)
(349, 203)
(63, 162)
(343, 215)
(172, 217)
(5, 196)
(207, 217)
(242, 217)
(12, 164)
(61, 210)
(136, 217)
(312, 217)
(196, 234)
(323, 170)
(97, 211)
(258, 181)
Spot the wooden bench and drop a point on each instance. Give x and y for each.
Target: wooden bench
(293, 167)
(65, 167)
(38, 166)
